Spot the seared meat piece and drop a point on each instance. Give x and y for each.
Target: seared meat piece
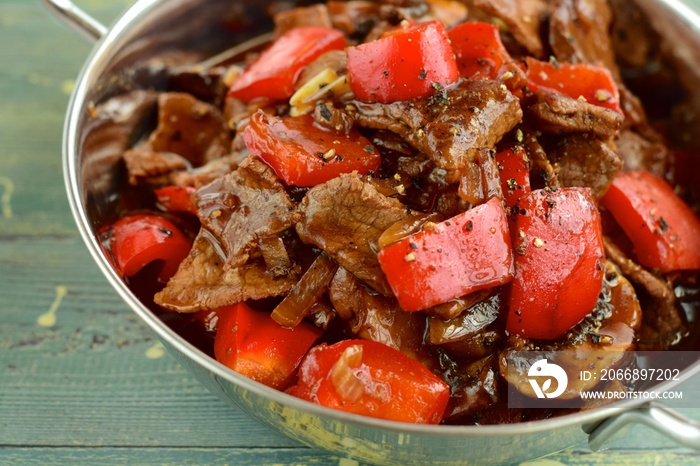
(202, 283)
(314, 15)
(372, 316)
(634, 40)
(578, 33)
(542, 174)
(524, 19)
(474, 390)
(639, 153)
(345, 217)
(205, 174)
(190, 133)
(195, 130)
(585, 161)
(145, 166)
(243, 208)
(557, 114)
(114, 127)
(355, 17)
(662, 321)
(450, 125)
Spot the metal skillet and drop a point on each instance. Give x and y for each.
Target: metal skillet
(153, 27)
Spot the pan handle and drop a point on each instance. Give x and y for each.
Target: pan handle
(679, 428)
(76, 19)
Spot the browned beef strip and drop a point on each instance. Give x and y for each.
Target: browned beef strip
(661, 318)
(585, 161)
(524, 19)
(542, 173)
(557, 114)
(190, 128)
(146, 166)
(474, 390)
(207, 173)
(450, 125)
(314, 15)
(355, 17)
(112, 128)
(634, 40)
(202, 283)
(243, 208)
(638, 153)
(578, 33)
(371, 316)
(345, 217)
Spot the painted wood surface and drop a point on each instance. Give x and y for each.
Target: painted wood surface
(82, 381)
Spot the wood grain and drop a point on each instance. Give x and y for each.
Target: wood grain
(81, 378)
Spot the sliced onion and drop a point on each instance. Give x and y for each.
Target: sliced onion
(346, 383)
(307, 291)
(405, 228)
(476, 318)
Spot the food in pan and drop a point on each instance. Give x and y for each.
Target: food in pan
(376, 207)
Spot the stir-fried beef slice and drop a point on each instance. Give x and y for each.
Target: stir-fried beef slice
(243, 208)
(313, 15)
(113, 127)
(333, 118)
(474, 390)
(558, 114)
(449, 12)
(188, 127)
(201, 282)
(638, 153)
(542, 173)
(354, 17)
(205, 84)
(372, 316)
(524, 19)
(345, 217)
(585, 161)
(146, 166)
(634, 41)
(205, 174)
(662, 321)
(578, 33)
(480, 180)
(450, 125)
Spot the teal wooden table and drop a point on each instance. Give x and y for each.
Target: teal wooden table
(82, 380)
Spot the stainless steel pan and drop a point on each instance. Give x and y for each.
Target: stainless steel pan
(152, 27)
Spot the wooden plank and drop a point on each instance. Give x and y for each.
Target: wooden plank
(167, 456)
(10, 456)
(94, 369)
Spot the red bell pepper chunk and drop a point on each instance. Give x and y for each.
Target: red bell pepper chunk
(406, 63)
(592, 83)
(137, 240)
(303, 154)
(467, 253)
(480, 53)
(514, 169)
(176, 198)
(664, 231)
(276, 70)
(369, 378)
(254, 345)
(559, 261)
